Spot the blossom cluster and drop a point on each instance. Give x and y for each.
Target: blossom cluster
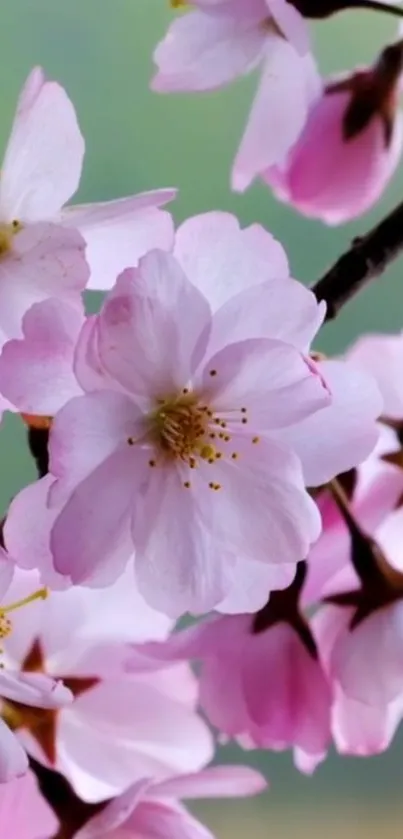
(197, 457)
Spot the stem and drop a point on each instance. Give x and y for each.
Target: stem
(375, 6)
(367, 258)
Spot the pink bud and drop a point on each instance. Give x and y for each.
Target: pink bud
(350, 146)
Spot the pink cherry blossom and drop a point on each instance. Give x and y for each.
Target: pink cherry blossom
(40, 173)
(242, 372)
(120, 727)
(214, 43)
(349, 148)
(260, 686)
(152, 810)
(32, 689)
(24, 814)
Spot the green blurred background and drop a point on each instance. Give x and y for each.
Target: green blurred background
(100, 50)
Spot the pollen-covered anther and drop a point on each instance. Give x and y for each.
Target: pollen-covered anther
(255, 440)
(7, 232)
(5, 626)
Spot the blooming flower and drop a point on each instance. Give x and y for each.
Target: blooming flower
(41, 251)
(218, 41)
(151, 809)
(188, 443)
(24, 814)
(350, 146)
(119, 727)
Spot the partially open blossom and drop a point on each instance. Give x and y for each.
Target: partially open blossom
(35, 690)
(198, 428)
(350, 146)
(153, 810)
(24, 814)
(119, 727)
(40, 249)
(260, 681)
(215, 42)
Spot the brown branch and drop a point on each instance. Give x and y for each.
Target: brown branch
(367, 259)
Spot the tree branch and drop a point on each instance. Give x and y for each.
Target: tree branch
(367, 259)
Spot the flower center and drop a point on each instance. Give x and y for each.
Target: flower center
(184, 428)
(7, 233)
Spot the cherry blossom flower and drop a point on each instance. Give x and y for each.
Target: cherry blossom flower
(216, 42)
(139, 460)
(350, 146)
(24, 814)
(35, 690)
(120, 727)
(151, 809)
(260, 681)
(40, 248)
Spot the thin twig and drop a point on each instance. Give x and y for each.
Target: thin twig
(367, 259)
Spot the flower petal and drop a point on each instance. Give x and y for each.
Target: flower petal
(42, 165)
(221, 259)
(118, 233)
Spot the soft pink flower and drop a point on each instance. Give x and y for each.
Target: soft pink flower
(349, 148)
(216, 42)
(32, 689)
(162, 374)
(40, 173)
(120, 727)
(260, 686)
(24, 814)
(151, 809)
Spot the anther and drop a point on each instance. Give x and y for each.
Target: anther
(234, 455)
(244, 410)
(213, 372)
(187, 484)
(256, 440)
(130, 441)
(244, 420)
(152, 463)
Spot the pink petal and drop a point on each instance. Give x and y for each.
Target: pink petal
(285, 78)
(131, 730)
(382, 357)
(203, 52)
(47, 261)
(90, 539)
(27, 532)
(179, 567)
(34, 689)
(115, 813)
(342, 434)
(278, 309)
(43, 160)
(36, 372)
(291, 23)
(221, 259)
(86, 432)
(118, 233)
(251, 584)
(262, 511)
(7, 569)
(24, 813)
(13, 759)
(143, 317)
(275, 383)
(213, 782)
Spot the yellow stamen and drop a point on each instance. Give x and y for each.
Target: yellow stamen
(41, 594)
